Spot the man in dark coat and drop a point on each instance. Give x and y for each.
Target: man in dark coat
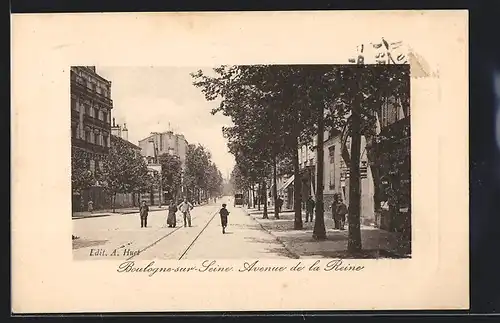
(310, 204)
(144, 211)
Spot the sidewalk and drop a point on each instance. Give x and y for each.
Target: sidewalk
(121, 211)
(376, 243)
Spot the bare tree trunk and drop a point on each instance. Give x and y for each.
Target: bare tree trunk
(297, 203)
(275, 191)
(253, 195)
(319, 232)
(259, 194)
(264, 188)
(113, 201)
(354, 240)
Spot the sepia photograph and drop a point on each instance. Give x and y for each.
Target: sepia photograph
(245, 161)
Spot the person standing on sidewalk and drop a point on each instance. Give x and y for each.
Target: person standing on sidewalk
(279, 204)
(310, 205)
(171, 220)
(223, 217)
(335, 216)
(185, 208)
(342, 213)
(143, 212)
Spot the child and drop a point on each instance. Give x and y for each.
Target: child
(223, 217)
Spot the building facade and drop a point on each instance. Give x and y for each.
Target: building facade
(336, 174)
(91, 107)
(155, 145)
(164, 143)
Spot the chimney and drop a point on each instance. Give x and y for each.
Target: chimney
(116, 129)
(125, 132)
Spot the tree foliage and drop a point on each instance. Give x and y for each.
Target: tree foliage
(81, 176)
(171, 168)
(124, 170)
(201, 174)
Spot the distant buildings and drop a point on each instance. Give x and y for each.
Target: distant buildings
(164, 143)
(91, 107)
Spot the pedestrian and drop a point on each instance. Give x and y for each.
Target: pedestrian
(144, 211)
(335, 216)
(310, 204)
(185, 208)
(172, 209)
(342, 213)
(223, 217)
(91, 206)
(279, 204)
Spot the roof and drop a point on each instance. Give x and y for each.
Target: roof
(126, 142)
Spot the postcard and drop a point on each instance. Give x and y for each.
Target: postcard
(240, 161)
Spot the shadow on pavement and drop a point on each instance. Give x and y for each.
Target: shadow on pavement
(82, 243)
(274, 247)
(364, 254)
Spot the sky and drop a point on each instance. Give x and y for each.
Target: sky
(162, 98)
(159, 99)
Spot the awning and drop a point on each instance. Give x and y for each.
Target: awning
(287, 183)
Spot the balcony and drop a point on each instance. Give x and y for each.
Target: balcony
(80, 143)
(79, 84)
(96, 122)
(75, 115)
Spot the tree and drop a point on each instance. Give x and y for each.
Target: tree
(264, 102)
(81, 176)
(124, 171)
(201, 176)
(171, 169)
(360, 92)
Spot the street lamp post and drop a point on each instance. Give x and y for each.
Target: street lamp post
(160, 190)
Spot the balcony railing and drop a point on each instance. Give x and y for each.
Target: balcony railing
(75, 114)
(100, 123)
(78, 142)
(80, 84)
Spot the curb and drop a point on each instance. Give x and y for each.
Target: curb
(87, 217)
(111, 214)
(293, 254)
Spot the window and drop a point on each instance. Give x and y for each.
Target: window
(101, 115)
(87, 110)
(92, 165)
(105, 140)
(331, 155)
(74, 105)
(73, 131)
(87, 135)
(97, 138)
(96, 113)
(92, 139)
(105, 116)
(77, 134)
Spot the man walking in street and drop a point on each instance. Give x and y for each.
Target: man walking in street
(143, 212)
(185, 207)
(223, 217)
(310, 204)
